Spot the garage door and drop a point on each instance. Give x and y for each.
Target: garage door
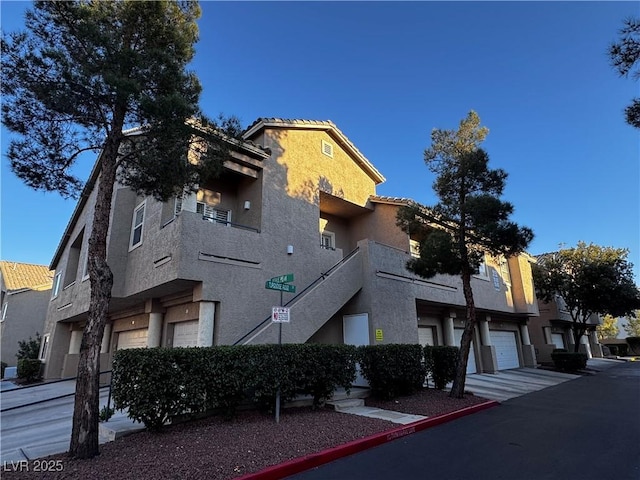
(558, 340)
(506, 349)
(132, 339)
(185, 334)
(471, 362)
(425, 336)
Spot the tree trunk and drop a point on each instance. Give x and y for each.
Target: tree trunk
(457, 390)
(84, 435)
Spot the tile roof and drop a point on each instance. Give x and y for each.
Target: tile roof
(319, 125)
(18, 276)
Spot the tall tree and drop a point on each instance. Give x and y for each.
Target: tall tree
(608, 328)
(591, 280)
(82, 73)
(625, 58)
(469, 220)
(632, 327)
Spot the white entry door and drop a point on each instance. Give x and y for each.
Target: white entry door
(185, 334)
(132, 339)
(471, 362)
(558, 340)
(355, 330)
(425, 336)
(506, 349)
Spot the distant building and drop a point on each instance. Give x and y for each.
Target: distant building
(25, 291)
(296, 197)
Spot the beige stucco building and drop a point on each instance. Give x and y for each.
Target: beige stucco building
(297, 198)
(25, 290)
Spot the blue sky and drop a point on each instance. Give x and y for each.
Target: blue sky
(387, 73)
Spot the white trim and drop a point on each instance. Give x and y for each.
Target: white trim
(137, 225)
(44, 347)
(55, 288)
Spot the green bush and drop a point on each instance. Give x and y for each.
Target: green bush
(29, 348)
(634, 345)
(569, 361)
(441, 362)
(160, 383)
(392, 370)
(29, 369)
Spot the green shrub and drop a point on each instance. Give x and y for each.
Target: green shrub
(569, 361)
(634, 345)
(106, 413)
(392, 370)
(29, 348)
(441, 362)
(29, 369)
(160, 383)
(323, 368)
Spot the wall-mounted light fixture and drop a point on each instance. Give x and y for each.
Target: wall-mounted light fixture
(247, 204)
(289, 249)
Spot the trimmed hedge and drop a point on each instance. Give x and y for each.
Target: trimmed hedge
(569, 361)
(29, 369)
(393, 369)
(441, 361)
(160, 383)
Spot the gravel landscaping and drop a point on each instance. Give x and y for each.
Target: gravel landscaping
(217, 449)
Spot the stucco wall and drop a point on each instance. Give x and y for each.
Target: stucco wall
(25, 315)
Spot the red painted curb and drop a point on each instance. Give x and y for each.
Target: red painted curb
(312, 460)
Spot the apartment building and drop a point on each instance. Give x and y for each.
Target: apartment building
(299, 198)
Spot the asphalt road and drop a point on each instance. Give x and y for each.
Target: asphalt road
(588, 428)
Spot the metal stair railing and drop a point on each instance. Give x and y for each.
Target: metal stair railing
(317, 281)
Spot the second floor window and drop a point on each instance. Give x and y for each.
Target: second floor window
(137, 226)
(328, 240)
(55, 289)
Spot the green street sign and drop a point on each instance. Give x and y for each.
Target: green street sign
(283, 287)
(288, 278)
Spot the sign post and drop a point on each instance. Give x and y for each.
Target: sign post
(280, 315)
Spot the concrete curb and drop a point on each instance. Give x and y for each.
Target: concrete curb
(312, 460)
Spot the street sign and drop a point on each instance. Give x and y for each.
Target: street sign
(288, 278)
(283, 287)
(280, 315)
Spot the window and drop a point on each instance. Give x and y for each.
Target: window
(178, 206)
(137, 226)
(44, 347)
(55, 289)
(328, 240)
(504, 270)
(414, 248)
(85, 268)
(482, 269)
(327, 149)
(73, 260)
(4, 311)
(212, 214)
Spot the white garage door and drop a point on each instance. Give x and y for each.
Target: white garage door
(132, 339)
(425, 336)
(185, 334)
(506, 349)
(471, 362)
(558, 340)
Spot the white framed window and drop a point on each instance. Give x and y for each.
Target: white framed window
(328, 240)
(504, 270)
(212, 214)
(177, 208)
(137, 226)
(55, 289)
(414, 248)
(44, 347)
(4, 311)
(327, 149)
(482, 269)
